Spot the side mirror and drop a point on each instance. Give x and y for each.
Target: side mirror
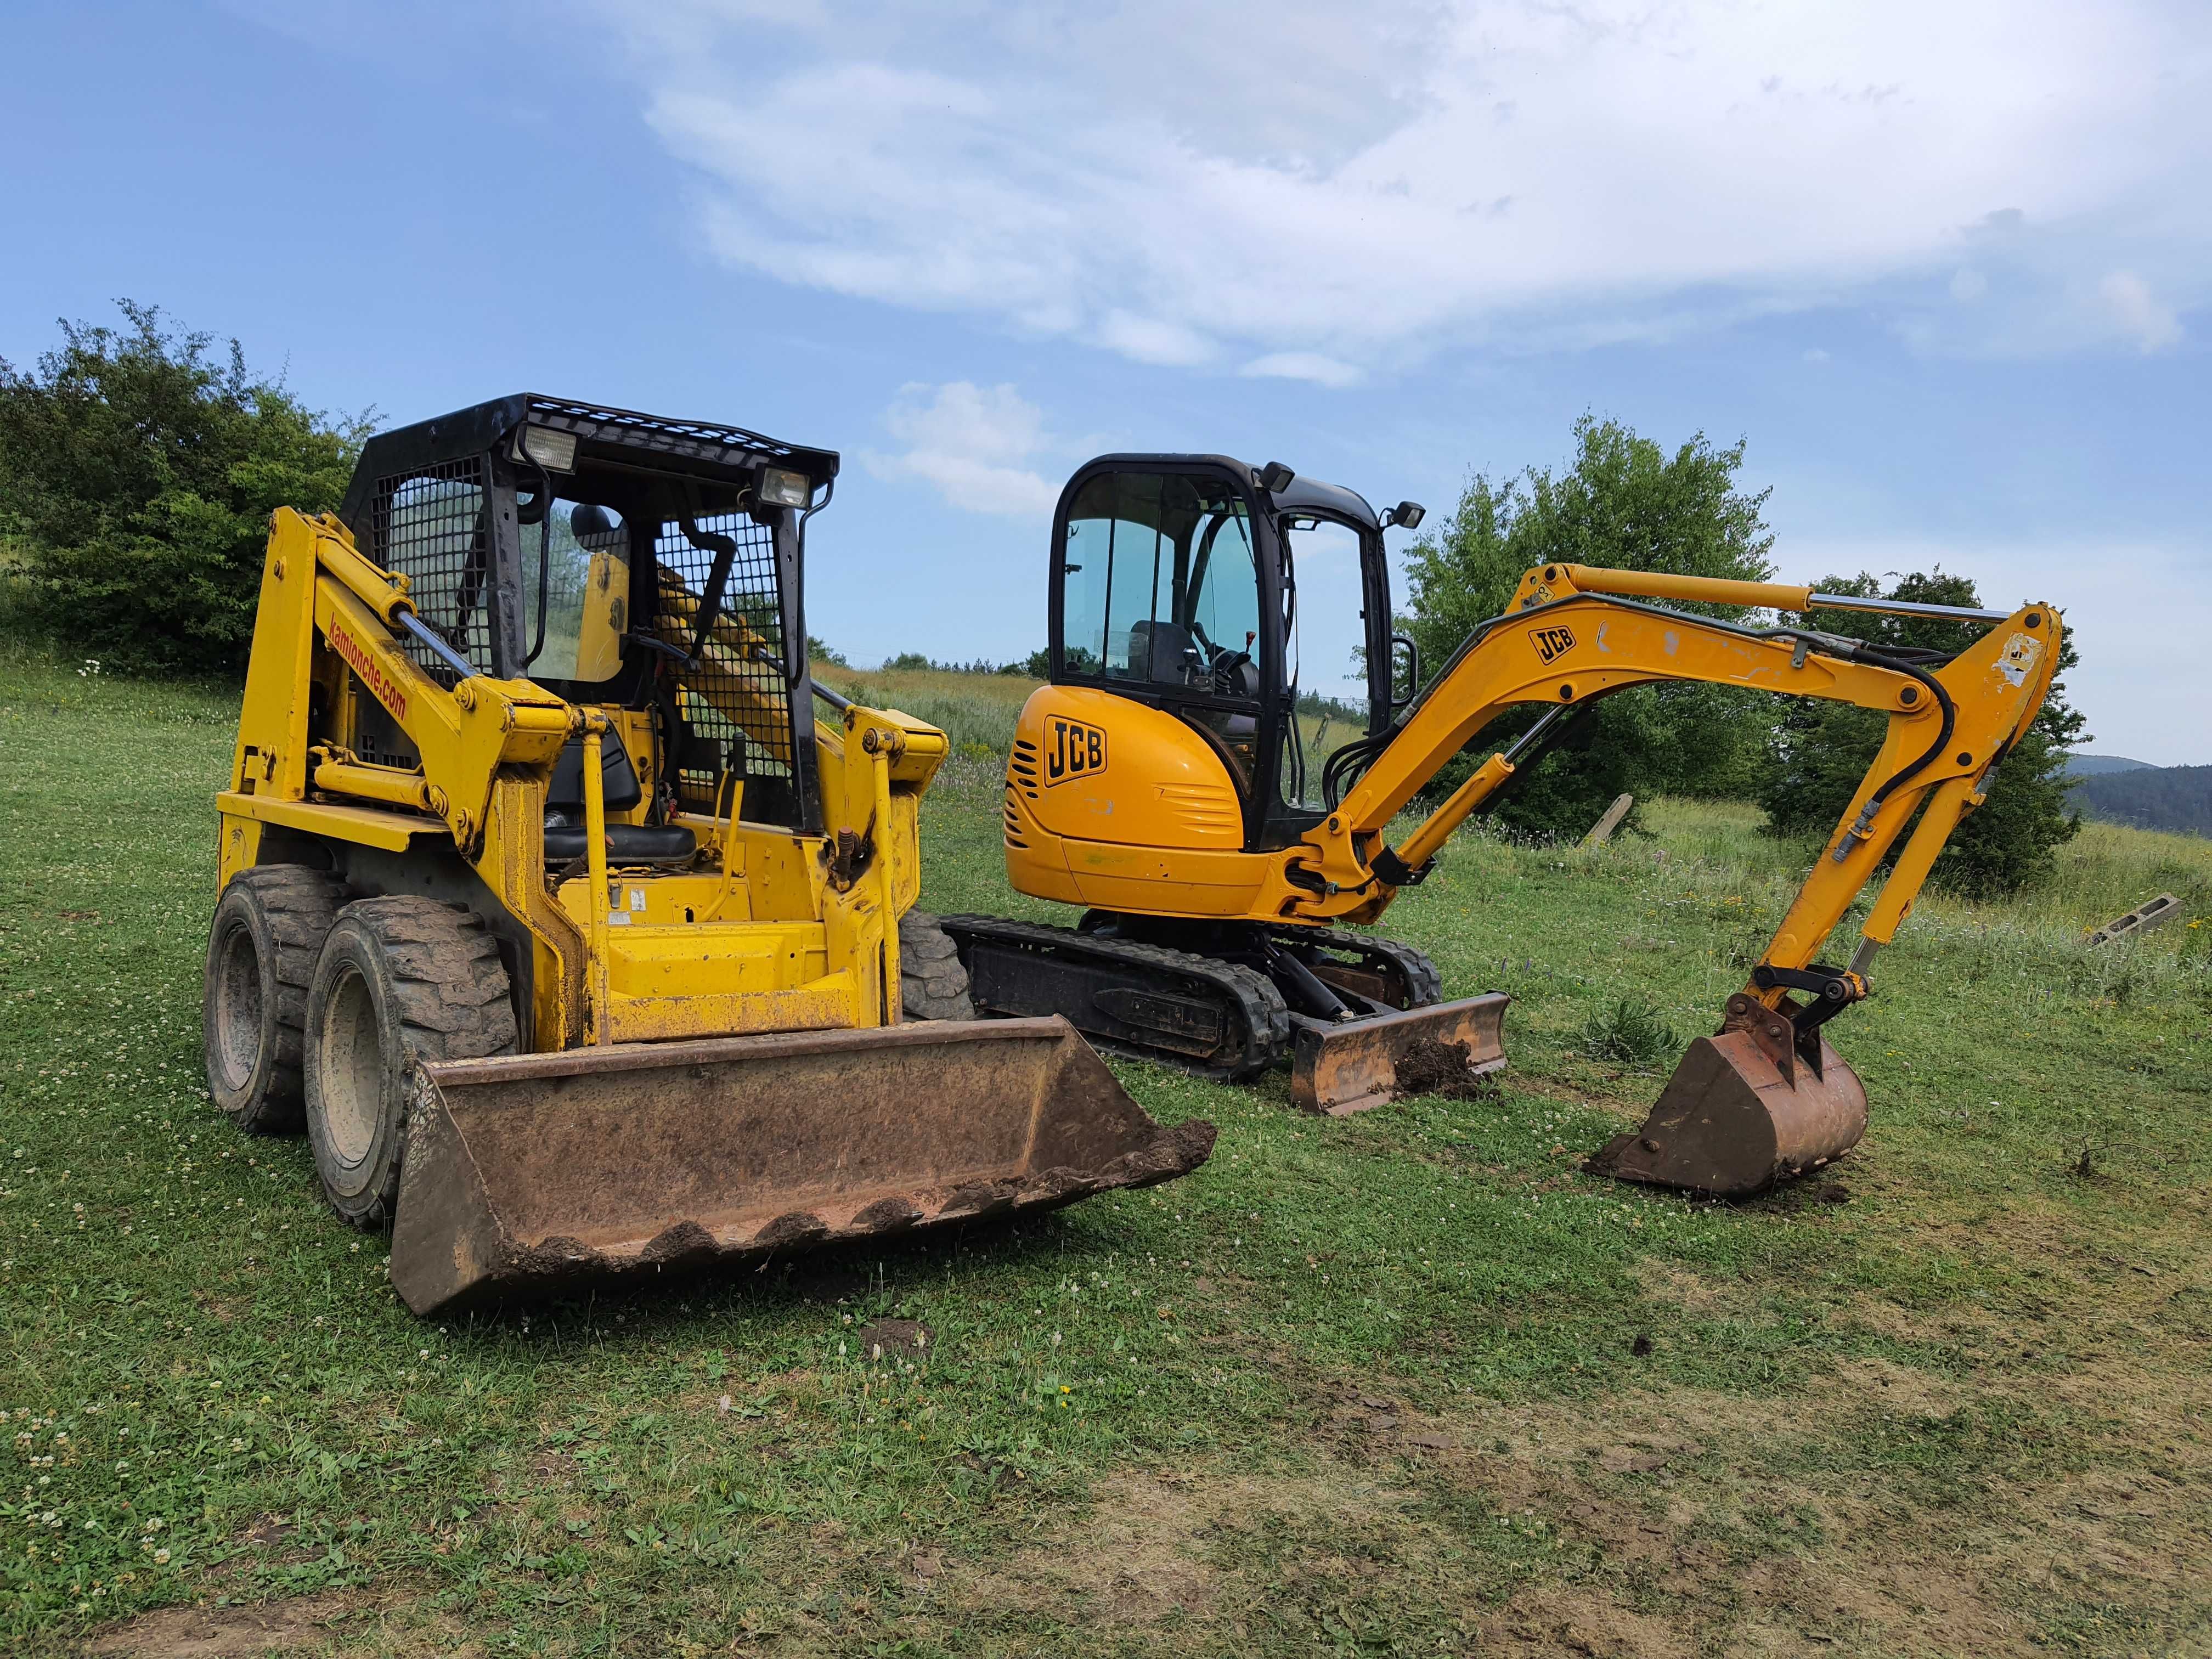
(1412, 674)
(1406, 515)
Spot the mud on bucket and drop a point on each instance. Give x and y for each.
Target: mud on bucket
(1743, 1111)
(527, 1172)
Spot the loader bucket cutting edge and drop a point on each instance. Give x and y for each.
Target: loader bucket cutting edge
(1350, 1067)
(524, 1173)
(1734, 1121)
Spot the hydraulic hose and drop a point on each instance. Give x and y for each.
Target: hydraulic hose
(1912, 769)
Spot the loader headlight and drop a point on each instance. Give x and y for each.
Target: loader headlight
(778, 488)
(554, 451)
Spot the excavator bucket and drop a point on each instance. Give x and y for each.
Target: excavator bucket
(1348, 1066)
(1744, 1111)
(527, 1173)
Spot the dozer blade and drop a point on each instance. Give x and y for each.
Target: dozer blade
(527, 1172)
(1743, 1111)
(1354, 1064)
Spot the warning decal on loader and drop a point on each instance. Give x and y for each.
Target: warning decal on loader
(1072, 750)
(1551, 642)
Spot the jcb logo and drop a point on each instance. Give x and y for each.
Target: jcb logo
(1551, 642)
(1072, 750)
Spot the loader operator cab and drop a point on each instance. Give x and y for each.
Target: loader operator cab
(649, 567)
(1175, 583)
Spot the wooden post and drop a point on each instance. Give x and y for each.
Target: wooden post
(1601, 831)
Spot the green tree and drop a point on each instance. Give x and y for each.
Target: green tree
(138, 469)
(1819, 752)
(1624, 503)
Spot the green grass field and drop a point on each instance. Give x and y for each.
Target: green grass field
(1408, 1383)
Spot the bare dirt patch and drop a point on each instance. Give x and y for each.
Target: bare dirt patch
(1149, 1551)
(884, 1338)
(297, 1625)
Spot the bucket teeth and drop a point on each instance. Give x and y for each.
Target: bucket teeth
(526, 1174)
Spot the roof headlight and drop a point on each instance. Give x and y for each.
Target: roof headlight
(554, 451)
(778, 488)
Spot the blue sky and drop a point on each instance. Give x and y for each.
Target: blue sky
(1945, 266)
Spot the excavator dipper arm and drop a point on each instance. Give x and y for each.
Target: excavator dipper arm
(1768, 1097)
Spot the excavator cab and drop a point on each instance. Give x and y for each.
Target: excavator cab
(1178, 589)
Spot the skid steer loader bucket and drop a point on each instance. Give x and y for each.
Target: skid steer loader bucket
(528, 1172)
(1745, 1110)
(1352, 1065)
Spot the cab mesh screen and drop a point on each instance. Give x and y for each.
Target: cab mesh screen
(735, 707)
(430, 527)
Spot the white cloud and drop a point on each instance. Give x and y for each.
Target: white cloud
(2147, 319)
(1968, 285)
(969, 443)
(1192, 182)
(1301, 366)
(2137, 680)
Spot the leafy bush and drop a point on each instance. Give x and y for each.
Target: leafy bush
(1626, 504)
(1819, 752)
(137, 473)
(1628, 1028)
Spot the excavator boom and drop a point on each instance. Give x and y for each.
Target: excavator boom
(1766, 1098)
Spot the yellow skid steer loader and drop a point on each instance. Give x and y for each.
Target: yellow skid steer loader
(577, 943)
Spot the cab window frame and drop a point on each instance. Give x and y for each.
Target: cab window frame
(1262, 810)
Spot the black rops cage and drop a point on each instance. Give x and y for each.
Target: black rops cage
(501, 514)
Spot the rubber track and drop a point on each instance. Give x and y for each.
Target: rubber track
(1249, 993)
(1421, 975)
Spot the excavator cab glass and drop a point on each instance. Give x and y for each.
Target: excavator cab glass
(1161, 598)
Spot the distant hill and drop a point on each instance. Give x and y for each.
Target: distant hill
(2178, 797)
(2096, 766)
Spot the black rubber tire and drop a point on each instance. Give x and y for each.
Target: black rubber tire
(933, 984)
(268, 931)
(398, 979)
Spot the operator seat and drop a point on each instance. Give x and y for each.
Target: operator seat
(566, 839)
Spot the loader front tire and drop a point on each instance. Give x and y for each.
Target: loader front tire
(269, 928)
(933, 984)
(399, 980)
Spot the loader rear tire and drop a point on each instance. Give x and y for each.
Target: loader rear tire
(269, 928)
(399, 980)
(933, 984)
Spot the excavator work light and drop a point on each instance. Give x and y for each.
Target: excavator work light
(1406, 515)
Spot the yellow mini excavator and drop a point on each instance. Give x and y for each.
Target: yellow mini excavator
(579, 943)
(1161, 781)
